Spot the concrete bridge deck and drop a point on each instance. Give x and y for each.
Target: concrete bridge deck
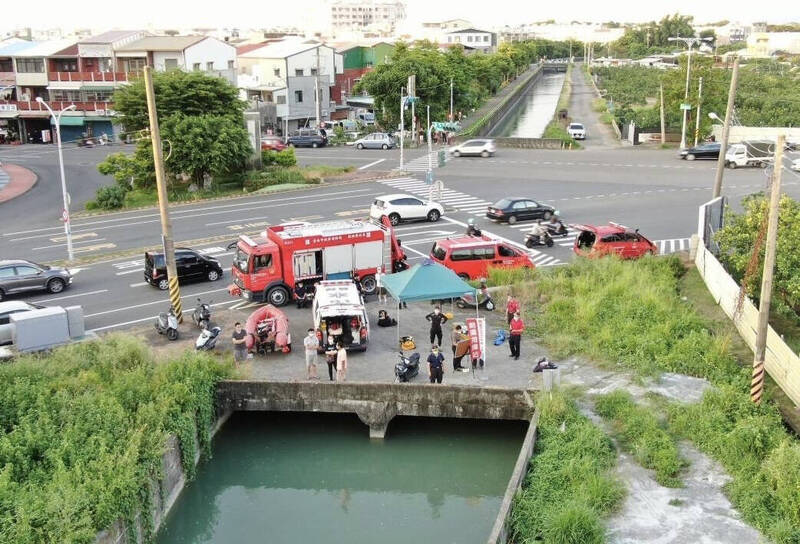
(377, 403)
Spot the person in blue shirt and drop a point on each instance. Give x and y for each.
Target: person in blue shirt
(435, 365)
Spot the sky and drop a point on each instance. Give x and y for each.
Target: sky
(249, 14)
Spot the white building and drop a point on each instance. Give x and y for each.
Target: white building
(472, 37)
(589, 32)
(767, 44)
(378, 16)
(189, 53)
(287, 73)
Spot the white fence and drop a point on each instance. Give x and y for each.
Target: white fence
(780, 361)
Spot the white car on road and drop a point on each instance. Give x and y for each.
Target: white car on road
(402, 207)
(484, 148)
(577, 131)
(796, 165)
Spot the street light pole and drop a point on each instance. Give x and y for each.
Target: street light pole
(402, 123)
(65, 196)
(697, 114)
(689, 43)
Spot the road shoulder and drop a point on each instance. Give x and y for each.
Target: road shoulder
(15, 181)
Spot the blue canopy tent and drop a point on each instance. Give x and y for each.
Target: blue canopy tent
(425, 281)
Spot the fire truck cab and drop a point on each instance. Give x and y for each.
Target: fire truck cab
(267, 268)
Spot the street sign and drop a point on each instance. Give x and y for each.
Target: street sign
(429, 177)
(686, 106)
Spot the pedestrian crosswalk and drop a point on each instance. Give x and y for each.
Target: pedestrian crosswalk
(420, 164)
(666, 247)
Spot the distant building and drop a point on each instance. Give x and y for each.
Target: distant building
(767, 44)
(380, 16)
(472, 37)
(357, 60)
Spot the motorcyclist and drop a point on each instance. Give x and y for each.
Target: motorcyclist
(555, 224)
(472, 230)
(539, 230)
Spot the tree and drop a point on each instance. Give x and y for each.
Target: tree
(189, 93)
(738, 238)
(710, 35)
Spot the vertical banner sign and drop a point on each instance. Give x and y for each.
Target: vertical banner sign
(476, 328)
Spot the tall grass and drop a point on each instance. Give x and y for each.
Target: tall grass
(570, 485)
(83, 432)
(642, 436)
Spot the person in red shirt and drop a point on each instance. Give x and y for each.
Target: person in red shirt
(512, 307)
(516, 326)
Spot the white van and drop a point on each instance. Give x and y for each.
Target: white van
(339, 314)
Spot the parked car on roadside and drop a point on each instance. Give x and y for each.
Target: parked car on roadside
(612, 239)
(272, 143)
(702, 151)
(6, 309)
(191, 265)
(19, 276)
(513, 209)
(483, 148)
(577, 131)
(376, 140)
(307, 137)
(401, 207)
(471, 256)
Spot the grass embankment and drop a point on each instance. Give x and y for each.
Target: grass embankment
(570, 485)
(630, 315)
(642, 436)
(83, 432)
(557, 127)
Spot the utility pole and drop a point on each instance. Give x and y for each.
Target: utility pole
(663, 128)
(689, 42)
(316, 90)
(451, 101)
(161, 184)
(402, 123)
(430, 148)
(697, 114)
(723, 146)
(757, 380)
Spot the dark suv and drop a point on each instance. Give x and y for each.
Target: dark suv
(308, 137)
(18, 276)
(192, 266)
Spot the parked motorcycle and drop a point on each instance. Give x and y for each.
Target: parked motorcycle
(207, 339)
(167, 324)
(468, 301)
(533, 240)
(202, 314)
(407, 368)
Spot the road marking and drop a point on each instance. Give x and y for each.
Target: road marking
(347, 213)
(139, 284)
(74, 296)
(65, 245)
(411, 249)
(371, 164)
(151, 303)
(74, 237)
(96, 247)
(129, 272)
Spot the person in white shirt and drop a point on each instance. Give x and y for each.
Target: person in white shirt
(311, 343)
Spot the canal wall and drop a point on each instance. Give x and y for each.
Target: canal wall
(501, 531)
(163, 492)
(376, 404)
(529, 143)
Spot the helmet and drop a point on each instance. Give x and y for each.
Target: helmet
(470, 221)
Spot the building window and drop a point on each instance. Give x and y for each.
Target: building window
(97, 96)
(62, 95)
(486, 38)
(196, 67)
(281, 99)
(65, 65)
(313, 71)
(30, 66)
(298, 72)
(277, 72)
(298, 96)
(230, 65)
(210, 66)
(469, 38)
(135, 65)
(170, 64)
(449, 39)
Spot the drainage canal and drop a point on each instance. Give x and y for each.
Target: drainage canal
(291, 477)
(535, 109)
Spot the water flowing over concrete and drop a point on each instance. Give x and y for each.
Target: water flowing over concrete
(534, 111)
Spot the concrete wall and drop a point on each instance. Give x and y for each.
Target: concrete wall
(529, 143)
(377, 403)
(738, 133)
(163, 493)
(509, 103)
(501, 531)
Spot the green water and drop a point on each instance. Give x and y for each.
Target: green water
(318, 478)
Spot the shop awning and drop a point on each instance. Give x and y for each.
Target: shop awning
(98, 119)
(71, 121)
(9, 114)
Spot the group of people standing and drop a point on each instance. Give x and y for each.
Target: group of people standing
(335, 357)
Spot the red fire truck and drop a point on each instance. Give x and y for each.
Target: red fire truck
(267, 268)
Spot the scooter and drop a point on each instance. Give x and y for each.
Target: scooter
(468, 301)
(167, 323)
(202, 314)
(557, 229)
(207, 339)
(407, 368)
(533, 240)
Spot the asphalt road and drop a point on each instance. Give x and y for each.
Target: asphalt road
(580, 111)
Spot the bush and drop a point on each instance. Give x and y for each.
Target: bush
(285, 158)
(569, 484)
(110, 197)
(84, 429)
(274, 175)
(642, 436)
